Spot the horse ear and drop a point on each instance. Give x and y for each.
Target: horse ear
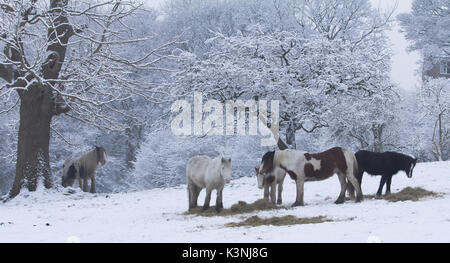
(257, 170)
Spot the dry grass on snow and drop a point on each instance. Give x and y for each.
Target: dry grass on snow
(407, 194)
(279, 221)
(240, 208)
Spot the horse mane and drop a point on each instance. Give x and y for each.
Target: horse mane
(267, 160)
(403, 157)
(98, 153)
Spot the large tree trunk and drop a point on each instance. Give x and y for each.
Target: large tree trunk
(38, 105)
(33, 165)
(290, 135)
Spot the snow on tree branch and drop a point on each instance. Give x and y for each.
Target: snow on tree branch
(84, 53)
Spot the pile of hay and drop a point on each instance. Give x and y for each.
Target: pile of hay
(240, 208)
(407, 194)
(279, 221)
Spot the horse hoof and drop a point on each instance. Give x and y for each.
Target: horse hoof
(339, 202)
(297, 204)
(279, 202)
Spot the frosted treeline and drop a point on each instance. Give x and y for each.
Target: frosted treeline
(327, 62)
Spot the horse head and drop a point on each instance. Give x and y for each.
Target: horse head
(260, 178)
(68, 177)
(101, 155)
(225, 169)
(410, 167)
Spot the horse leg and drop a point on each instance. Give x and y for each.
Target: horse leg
(388, 185)
(382, 182)
(85, 184)
(350, 190)
(266, 192)
(207, 199)
(80, 183)
(352, 180)
(280, 189)
(189, 196)
(193, 192)
(93, 184)
(219, 203)
(299, 197)
(273, 193)
(343, 181)
(196, 193)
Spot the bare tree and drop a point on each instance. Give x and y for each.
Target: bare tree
(72, 58)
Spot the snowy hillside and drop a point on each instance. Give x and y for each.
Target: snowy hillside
(157, 215)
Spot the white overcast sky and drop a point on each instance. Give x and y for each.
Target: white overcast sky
(404, 64)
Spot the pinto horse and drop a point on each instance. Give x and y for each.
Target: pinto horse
(385, 164)
(269, 181)
(305, 167)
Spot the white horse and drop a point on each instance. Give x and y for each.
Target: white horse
(270, 181)
(304, 167)
(205, 172)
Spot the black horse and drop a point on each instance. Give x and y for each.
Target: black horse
(385, 164)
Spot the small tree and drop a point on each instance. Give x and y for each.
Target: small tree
(428, 28)
(68, 57)
(436, 104)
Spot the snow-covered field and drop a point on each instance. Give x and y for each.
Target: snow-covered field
(157, 215)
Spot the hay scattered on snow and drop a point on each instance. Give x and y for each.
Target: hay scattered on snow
(280, 221)
(240, 208)
(407, 194)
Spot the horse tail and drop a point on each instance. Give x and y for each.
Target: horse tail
(356, 169)
(350, 187)
(360, 170)
(356, 174)
(352, 179)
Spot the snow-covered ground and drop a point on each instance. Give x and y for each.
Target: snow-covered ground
(157, 215)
